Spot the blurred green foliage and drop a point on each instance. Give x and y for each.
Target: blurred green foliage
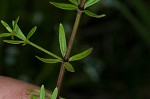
(119, 66)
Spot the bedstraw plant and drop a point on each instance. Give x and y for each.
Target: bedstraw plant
(18, 37)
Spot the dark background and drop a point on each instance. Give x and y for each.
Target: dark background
(119, 66)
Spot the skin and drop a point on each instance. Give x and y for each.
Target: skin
(14, 89)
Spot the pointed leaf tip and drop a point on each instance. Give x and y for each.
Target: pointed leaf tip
(74, 2)
(32, 31)
(42, 92)
(54, 94)
(90, 3)
(69, 67)
(6, 26)
(13, 41)
(89, 13)
(64, 6)
(5, 34)
(81, 55)
(18, 32)
(16, 21)
(46, 60)
(62, 40)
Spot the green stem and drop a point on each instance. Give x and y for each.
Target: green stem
(44, 50)
(70, 44)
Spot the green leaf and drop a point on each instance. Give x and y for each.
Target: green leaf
(13, 41)
(42, 92)
(12, 37)
(69, 67)
(15, 22)
(5, 34)
(64, 6)
(90, 2)
(55, 93)
(74, 2)
(89, 13)
(36, 92)
(19, 33)
(62, 40)
(32, 31)
(81, 55)
(6, 26)
(45, 60)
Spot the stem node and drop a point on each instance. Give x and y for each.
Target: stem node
(72, 37)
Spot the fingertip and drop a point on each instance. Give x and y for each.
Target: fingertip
(14, 89)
